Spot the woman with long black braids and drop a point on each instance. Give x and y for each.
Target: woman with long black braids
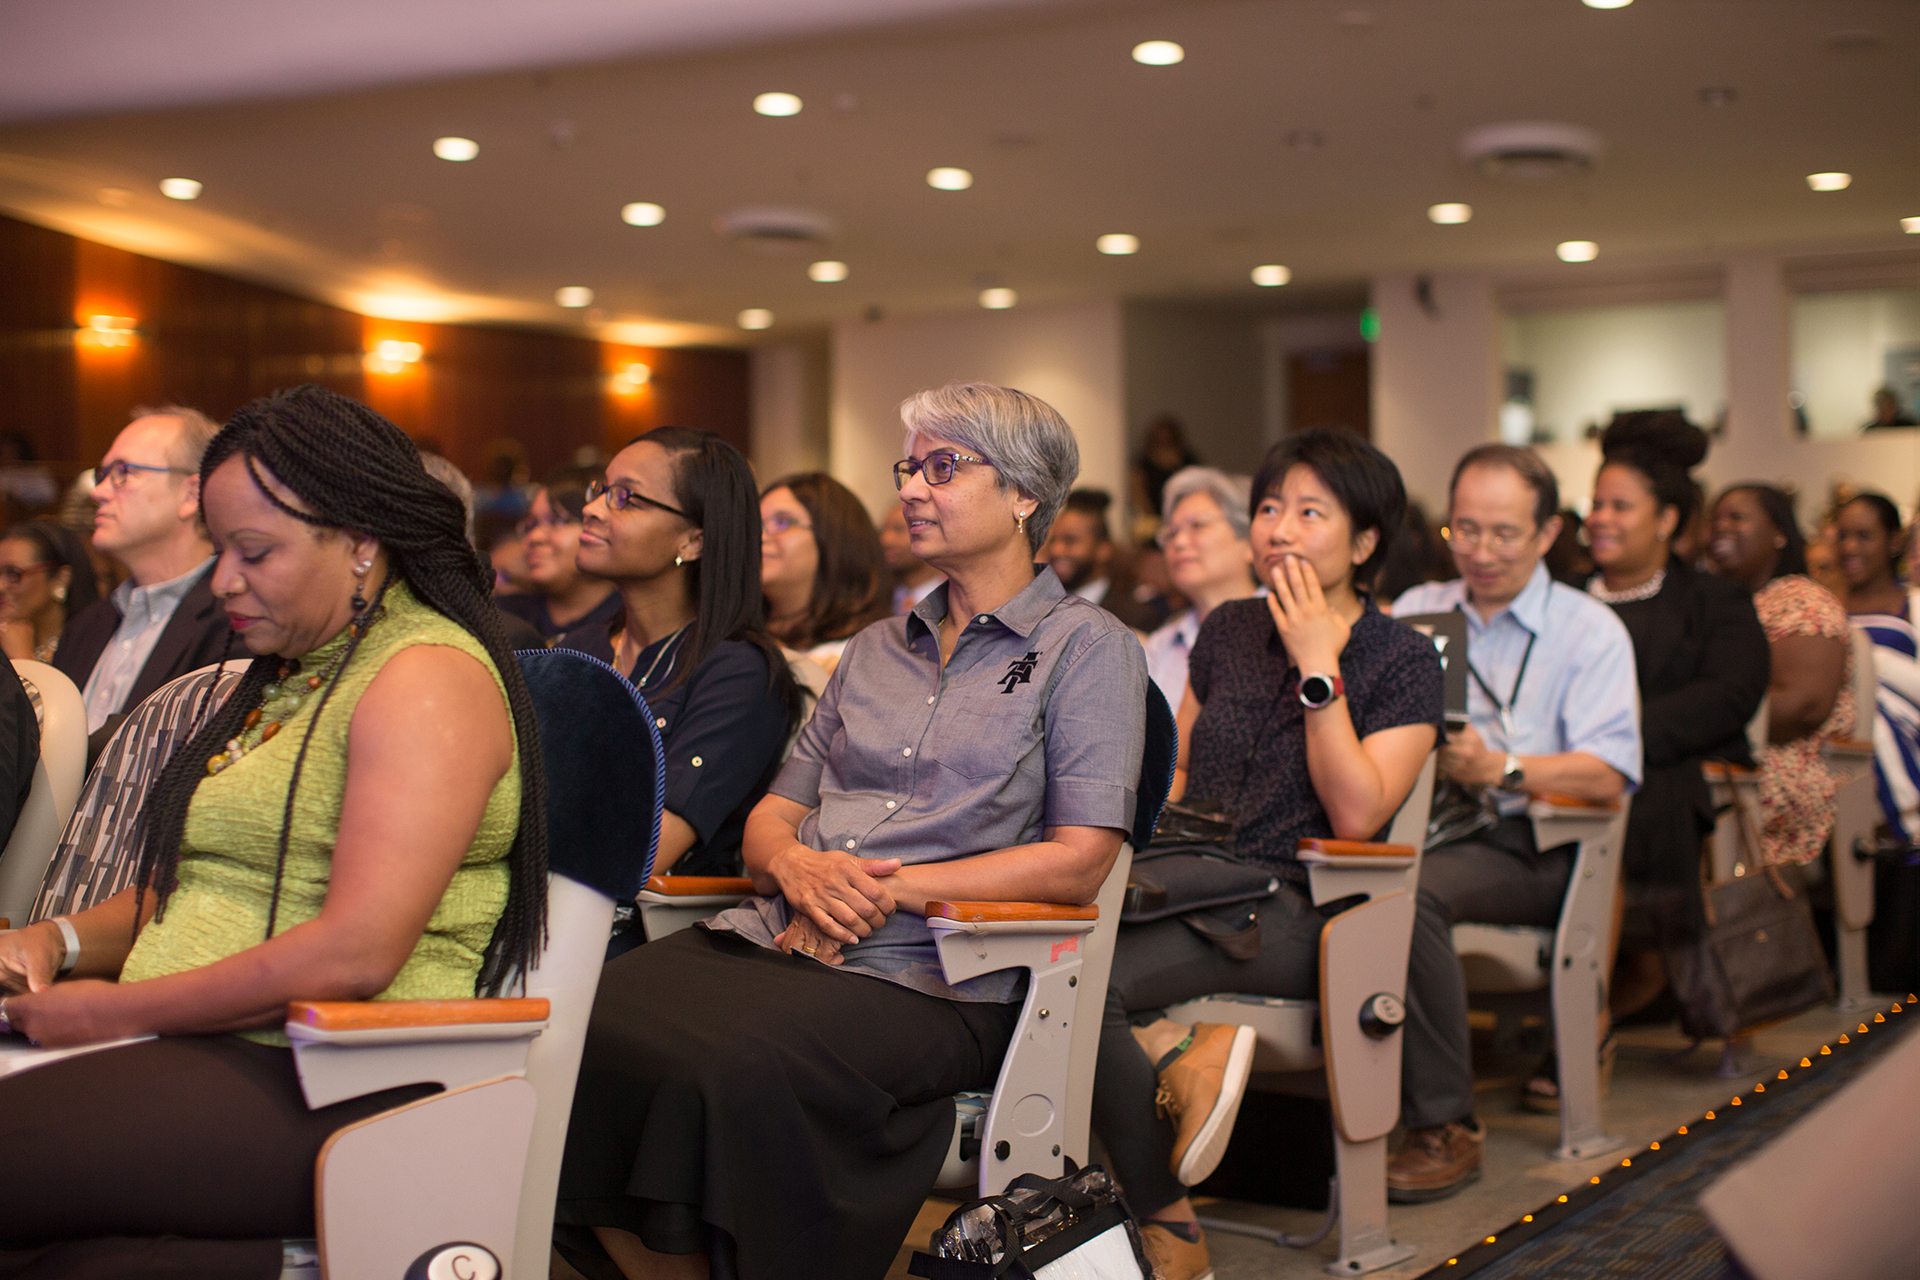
(361, 819)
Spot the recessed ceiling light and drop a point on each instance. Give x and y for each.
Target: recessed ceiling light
(1119, 245)
(1911, 226)
(1271, 276)
(777, 104)
(180, 188)
(1606, 4)
(641, 213)
(574, 295)
(949, 179)
(1449, 215)
(827, 272)
(1829, 181)
(998, 299)
(1158, 53)
(1577, 250)
(456, 148)
(755, 318)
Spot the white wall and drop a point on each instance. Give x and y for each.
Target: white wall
(788, 397)
(1069, 356)
(1436, 376)
(1840, 341)
(1202, 365)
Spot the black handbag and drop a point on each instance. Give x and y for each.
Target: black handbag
(1216, 896)
(1040, 1229)
(1759, 959)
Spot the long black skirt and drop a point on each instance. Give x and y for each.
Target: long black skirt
(181, 1156)
(785, 1117)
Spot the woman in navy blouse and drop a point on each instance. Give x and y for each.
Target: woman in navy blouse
(676, 527)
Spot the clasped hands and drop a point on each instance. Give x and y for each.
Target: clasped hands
(66, 1014)
(1466, 758)
(836, 899)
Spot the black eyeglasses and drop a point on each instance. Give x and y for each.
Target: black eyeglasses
(119, 472)
(936, 467)
(619, 497)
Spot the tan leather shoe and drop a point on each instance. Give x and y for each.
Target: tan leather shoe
(1177, 1250)
(1436, 1162)
(1200, 1092)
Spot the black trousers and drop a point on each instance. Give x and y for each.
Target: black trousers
(1493, 877)
(786, 1117)
(1161, 964)
(176, 1157)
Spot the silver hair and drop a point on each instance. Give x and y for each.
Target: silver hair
(1232, 494)
(1030, 445)
(455, 479)
(197, 430)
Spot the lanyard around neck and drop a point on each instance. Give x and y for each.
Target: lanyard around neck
(1505, 709)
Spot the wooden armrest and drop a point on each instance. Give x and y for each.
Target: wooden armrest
(1356, 849)
(1722, 771)
(699, 886)
(1574, 802)
(1004, 912)
(1850, 746)
(390, 1015)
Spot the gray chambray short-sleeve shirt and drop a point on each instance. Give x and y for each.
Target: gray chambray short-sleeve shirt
(1037, 721)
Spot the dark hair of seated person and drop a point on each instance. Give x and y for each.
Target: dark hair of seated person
(851, 585)
(1664, 448)
(357, 471)
(1523, 462)
(1777, 505)
(1363, 480)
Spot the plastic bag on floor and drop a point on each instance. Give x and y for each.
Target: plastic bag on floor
(1072, 1228)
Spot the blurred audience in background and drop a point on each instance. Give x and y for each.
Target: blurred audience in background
(1888, 412)
(1415, 554)
(45, 578)
(1209, 561)
(822, 568)
(913, 577)
(1083, 554)
(1757, 542)
(504, 497)
(519, 635)
(1163, 452)
(24, 483)
(1568, 559)
(561, 597)
(1868, 538)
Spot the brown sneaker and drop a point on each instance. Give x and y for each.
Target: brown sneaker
(1436, 1162)
(1177, 1250)
(1200, 1092)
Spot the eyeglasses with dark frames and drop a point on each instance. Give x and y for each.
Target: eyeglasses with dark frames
(936, 467)
(781, 522)
(118, 472)
(619, 497)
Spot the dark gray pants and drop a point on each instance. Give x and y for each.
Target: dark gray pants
(1493, 877)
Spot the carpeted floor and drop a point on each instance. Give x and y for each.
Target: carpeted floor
(1640, 1218)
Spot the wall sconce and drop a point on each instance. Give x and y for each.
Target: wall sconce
(629, 379)
(109, 332)
(392, 356)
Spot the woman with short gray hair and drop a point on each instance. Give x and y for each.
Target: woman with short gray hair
(986, 745)
(1030, 445)
(1209, 559)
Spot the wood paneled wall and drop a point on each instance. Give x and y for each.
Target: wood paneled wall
(215, 343)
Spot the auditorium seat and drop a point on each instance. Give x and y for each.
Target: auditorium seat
(1856, 813)
(1363, 983)
(57, 776)
(1570, 961)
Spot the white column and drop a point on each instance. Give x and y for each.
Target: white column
(787, 384)
(1759, 353)
(1436, 376)
(1069, 356)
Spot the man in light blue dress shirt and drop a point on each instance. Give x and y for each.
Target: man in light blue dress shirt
(1553, 708)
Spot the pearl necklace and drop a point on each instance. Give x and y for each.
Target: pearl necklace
(1597, 588)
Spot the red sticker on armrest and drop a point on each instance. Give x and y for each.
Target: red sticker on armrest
(1059, 948)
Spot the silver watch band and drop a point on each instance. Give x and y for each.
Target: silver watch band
(71, 937)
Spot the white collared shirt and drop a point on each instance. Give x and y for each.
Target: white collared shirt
(144, 614)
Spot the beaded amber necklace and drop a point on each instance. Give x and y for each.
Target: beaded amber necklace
(278, 704)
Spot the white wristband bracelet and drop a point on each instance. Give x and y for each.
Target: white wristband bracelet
(71, 937)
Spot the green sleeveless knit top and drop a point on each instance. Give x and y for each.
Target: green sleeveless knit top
(233, 831)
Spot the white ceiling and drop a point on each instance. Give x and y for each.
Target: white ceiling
(340, 196)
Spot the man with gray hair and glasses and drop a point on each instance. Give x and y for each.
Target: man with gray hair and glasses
(162, 621)
(1553, 708)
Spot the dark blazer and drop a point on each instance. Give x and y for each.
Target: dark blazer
(1703, 664)
(195, 636)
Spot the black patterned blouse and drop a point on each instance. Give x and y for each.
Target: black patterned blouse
(1249, 750)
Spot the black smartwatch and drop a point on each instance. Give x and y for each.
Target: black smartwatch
(1318, 690)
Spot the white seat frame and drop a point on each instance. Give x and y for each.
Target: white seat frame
(57, 778)
(1856, 812)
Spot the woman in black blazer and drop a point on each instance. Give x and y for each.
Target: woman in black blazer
(1703, 666)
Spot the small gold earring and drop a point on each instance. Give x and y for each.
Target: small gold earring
(1020, 519)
